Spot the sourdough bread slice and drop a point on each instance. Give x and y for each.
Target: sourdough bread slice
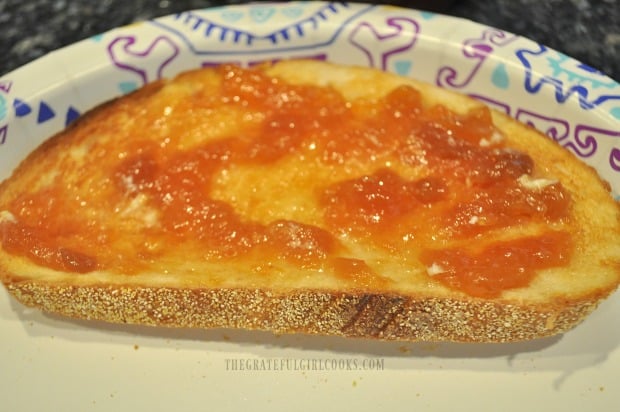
(309, 197)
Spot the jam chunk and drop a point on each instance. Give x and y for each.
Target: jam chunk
(487, 271)
(376, 201)
(40, 248)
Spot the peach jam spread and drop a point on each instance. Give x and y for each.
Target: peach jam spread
(415, 182)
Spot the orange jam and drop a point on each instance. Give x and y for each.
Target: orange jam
(399, 175)
(487, 271)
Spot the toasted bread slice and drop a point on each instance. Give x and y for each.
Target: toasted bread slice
(308, 197)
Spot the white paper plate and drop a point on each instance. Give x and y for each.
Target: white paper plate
(52, 363)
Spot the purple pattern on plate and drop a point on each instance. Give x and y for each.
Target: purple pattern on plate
(127, 55)
(589, 135)
(475, 50)
(557, 129)
(585, 140)
(5, 86)
(582, 140)
(614, 159)
(379, 43)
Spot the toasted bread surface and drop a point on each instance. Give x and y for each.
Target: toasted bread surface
(283, 207)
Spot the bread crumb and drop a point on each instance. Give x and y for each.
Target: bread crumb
(136, 347)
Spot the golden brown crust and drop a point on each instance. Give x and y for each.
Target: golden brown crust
(545, 309)
(363, 315)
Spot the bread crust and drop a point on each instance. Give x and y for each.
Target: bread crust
(348, 312)
(315, 312)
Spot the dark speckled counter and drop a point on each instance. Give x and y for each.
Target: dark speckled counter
(588, 30)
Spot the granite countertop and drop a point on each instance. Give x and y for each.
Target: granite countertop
(588, 30)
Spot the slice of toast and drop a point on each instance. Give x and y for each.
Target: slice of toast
(308, 197)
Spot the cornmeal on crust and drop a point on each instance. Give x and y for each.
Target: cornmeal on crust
(308, 197)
